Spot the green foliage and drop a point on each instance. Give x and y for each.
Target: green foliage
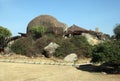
(84, 48)
(107, 52)
(117, 31)
(76, 44)
(18, 46)
(66, 47)
(38, 31)
(4, 33)
(42, 42)
(29, 47)
(25, 46)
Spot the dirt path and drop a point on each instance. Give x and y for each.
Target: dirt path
(32, 72)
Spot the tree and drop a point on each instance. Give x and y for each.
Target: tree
(4, 33)
(117, 31)
(107, 52)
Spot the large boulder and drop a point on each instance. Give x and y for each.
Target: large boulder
(50, 49)
(71, 57)
(52, 24)
(92, 40)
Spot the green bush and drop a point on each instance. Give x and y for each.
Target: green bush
(107, 52)
(42, 42)
(66, 47)
(19, 46)
(25, 46)
(37, 32)
(85, 49)
(4, 33)
(117, 31)
(29, 47)
(76, 44)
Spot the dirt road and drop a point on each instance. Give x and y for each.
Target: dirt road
(32, 72)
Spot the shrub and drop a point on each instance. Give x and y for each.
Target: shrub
(117, 31)
(84, 48)
(76, 44)
(107, 52)
(25, 46)
(37, 32)
(19, 46)
(29, 47)
(4, 33)
(42, 42)
(66, 47)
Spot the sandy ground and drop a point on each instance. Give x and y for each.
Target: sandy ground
(32, 72)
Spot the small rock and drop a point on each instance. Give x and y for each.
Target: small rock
(71, 57)
(50, 49)
(104, 73)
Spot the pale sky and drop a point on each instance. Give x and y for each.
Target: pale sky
(89, 14)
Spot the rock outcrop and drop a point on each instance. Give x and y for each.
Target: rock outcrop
(52, 24)
(92, 40)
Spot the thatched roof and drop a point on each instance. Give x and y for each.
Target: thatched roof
(76, 30)
(47, 21)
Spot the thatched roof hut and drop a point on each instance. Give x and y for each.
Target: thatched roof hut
(76, 30)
